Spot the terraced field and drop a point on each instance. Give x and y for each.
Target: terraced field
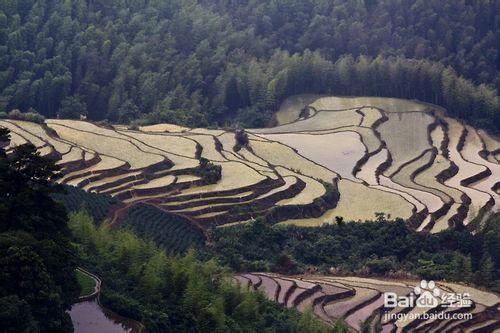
(325, 150)
(161, 167)
(360, 301)
(326, 157)
(406, 136)
(424, 165)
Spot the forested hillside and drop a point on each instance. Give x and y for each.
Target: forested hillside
(37, 280)
(212, 62)
(373, 248)
(178, 294)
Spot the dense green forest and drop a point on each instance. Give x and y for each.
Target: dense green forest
(37, 276)
(377, 248)
(212, 62)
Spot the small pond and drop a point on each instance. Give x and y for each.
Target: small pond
(90, 317)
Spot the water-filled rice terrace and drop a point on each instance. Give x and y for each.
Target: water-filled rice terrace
(360, 301)
(325, 157)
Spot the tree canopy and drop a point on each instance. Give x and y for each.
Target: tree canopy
(211, 62)
(37, 279)
(177, 294)
(379, 248)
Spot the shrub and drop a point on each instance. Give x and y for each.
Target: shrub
(104, 123)
(241, 139)
(133, 126)
(209, 172)
(15, 114)
(31, 116)
(178, 117)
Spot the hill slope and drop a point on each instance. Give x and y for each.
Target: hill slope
(348, 157)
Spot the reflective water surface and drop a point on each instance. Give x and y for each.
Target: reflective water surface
(89, 317)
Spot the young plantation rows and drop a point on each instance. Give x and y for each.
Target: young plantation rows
(97, 206)
(360, 301)
(326, 157)
(173, 233)
(168, 231)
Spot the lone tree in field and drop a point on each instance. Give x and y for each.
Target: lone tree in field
(209, 172)
(241, 139)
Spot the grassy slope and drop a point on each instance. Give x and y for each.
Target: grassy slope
(87, 284)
